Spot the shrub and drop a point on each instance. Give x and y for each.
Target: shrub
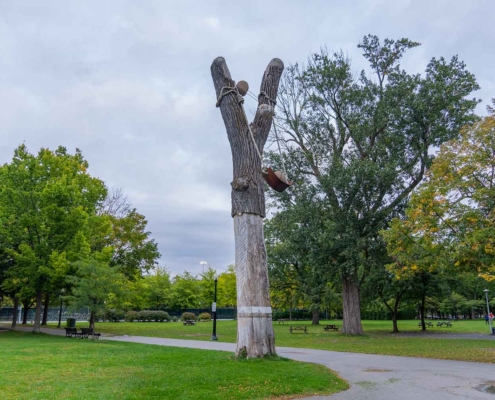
(100, 316)
(145, 315)
(131, 316)
(161, 316)
(188, 316)
(175, 319)
(114, 315)
(204, 316)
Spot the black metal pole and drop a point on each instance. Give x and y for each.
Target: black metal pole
(214, 310)
(60, 313)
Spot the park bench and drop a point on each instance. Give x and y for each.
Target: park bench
(330, 328)
(298, 328)
(70, 332)
(281, 320)
(448, 324)
(86, 332)
(190, 322)
(429, 324)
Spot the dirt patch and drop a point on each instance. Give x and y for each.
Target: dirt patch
(377, 370)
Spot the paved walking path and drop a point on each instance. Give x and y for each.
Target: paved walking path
(371, 377)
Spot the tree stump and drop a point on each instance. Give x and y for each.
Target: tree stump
(255, 337)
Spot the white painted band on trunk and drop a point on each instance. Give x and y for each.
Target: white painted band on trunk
(255, 309)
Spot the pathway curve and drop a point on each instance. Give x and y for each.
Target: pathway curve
(375, 377)
(372, 377)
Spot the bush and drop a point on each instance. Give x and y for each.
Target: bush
(188, 316)
(161, 316)
(175, 319)
(150, 315)
(204, 316)
(131, 316)
(114, 315)
(100, 316)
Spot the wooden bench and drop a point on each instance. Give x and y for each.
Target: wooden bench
(281, 320)
(448, 324)
(330, 328)
(86, 332)
(429, 324)
(190, 322)
(298, 328)
(70, 332)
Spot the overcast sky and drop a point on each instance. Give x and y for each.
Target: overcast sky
(128, 82)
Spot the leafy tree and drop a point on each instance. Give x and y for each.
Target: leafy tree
(453, 213)
(227, 292)
(361, 143)
(46, 202)
(158, 288)
(207, 287)
(185, 291)
(94, 283)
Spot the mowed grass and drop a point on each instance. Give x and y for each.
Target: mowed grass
(37, 366)
(377, 338)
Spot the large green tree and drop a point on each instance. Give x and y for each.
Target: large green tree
(46, 202)
(362, 142)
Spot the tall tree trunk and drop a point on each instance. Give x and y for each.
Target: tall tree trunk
(25, 312)
(316, 317)
(92, 320)
(422, 312)
(37, 315)
(255, 334)
(255, 337)
(45, 309)
(15, 315)
(351, 324)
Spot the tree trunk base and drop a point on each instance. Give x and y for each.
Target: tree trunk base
(351, 324)
(255, 337)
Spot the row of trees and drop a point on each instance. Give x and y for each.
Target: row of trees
(62, 230)
(357, 147)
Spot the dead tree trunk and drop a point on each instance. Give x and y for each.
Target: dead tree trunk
(255, 336)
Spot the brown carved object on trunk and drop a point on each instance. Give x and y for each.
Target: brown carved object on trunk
(277, 180)
(255, 336)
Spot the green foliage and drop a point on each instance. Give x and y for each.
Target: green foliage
(227, 292)
(185, 291)
(131, 316)
(204, 316)
(114, 315)
(356, 146)
(188, 316)
(153, 315)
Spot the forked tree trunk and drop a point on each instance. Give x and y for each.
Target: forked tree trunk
(351, 324)
(255, 336)
(37, 314)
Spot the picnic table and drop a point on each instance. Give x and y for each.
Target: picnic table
(448, 324)
(295, 328)
(190, 322)
(429, 324)
(331, 328)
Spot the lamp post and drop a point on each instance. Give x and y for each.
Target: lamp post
(60, 311)
(203, 263)
(214, 311)
(488, 309)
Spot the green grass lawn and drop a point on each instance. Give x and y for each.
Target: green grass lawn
(48, 367)
(377, 340)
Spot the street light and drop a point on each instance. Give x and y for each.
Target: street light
(60, 312)
(488, 308)
(214, 311)
(203, 263)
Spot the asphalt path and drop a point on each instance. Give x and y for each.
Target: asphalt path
(370, 376)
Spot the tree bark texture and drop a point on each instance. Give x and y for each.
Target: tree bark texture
(37, 314)
(315, 317)
(45, 309)
(351, 324)
(255, 337)
(15, 315)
